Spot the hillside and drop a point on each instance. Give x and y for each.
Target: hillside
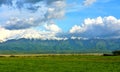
(60, 46)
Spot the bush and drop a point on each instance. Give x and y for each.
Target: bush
(12, 56)
(116, 53)
(107, 54)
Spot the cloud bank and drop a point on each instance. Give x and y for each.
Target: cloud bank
(30, 13)
(91, 28)
(97, 27)
(19, 19)
(30, 33)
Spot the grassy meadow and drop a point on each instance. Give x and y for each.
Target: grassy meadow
(60, 63)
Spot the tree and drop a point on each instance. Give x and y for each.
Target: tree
(116, 53)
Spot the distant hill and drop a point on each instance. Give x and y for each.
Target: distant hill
(59, 46)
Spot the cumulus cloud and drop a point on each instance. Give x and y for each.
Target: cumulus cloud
(53, 28)
(6, 34)
(29, 4)
(17, 23)
(56, 9)
(20, 17)
(89, 2)
(42, 11)
(97, 27)
(75, 28)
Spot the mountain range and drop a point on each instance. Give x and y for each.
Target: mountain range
(71, 45)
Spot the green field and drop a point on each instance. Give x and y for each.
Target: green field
(62, 63)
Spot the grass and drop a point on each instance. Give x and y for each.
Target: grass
(60, 63)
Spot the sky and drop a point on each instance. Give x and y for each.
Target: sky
(59, 19)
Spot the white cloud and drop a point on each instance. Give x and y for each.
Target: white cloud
(41, 11)
(35, 34)
(4, 34)
(31, 33)
(53, 28)
(56, 9)
(17, 23)
(25, 33)
(75, 28)
(89, 2)
(97, 27)
(79, 38)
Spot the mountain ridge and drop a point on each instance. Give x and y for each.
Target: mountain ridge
(38, 46)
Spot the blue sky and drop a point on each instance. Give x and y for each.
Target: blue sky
(81, 17)
(99, 8)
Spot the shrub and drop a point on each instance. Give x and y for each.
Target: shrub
(12, 56)
(107, 54)
(116, 53)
